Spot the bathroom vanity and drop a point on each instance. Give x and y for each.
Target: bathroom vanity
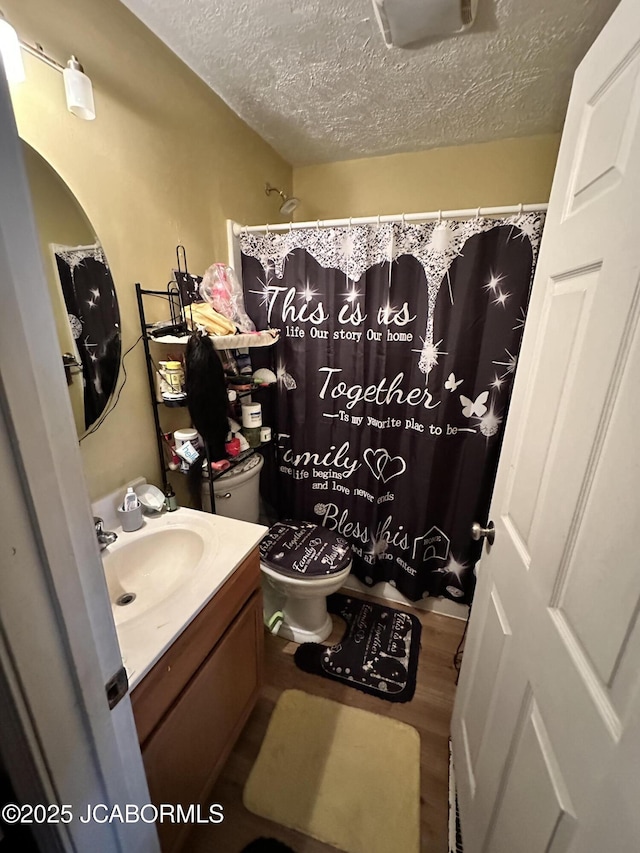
(186, 599)
(193, 704)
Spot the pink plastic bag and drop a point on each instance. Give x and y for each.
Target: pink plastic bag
(221, 289)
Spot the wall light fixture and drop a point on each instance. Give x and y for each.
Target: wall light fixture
(77, 86)
(10, 52)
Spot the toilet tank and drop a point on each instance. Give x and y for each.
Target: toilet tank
(237, 493)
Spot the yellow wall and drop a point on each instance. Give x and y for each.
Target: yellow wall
(60, 220)
(165, 162)
(507, 171)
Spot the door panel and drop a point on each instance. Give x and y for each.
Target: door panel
(567, 311)
(593, 570)
(583, 420)
(549, 690)
(607, 129)
(494, 645)
(533, 801)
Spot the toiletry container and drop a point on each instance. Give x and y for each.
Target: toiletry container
(130, 512)
(170, 500)
(251, 415)
(173, 374)
(237, 493)
(181, 436)
(252, 435)
(265, 434)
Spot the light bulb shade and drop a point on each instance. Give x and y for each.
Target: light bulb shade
(79, 92)
(10, 52)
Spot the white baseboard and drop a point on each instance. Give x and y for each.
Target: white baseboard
(384, 590)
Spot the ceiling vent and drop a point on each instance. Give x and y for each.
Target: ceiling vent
(403, 22)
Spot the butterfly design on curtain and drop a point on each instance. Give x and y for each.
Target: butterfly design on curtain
(451, 384)
(477, 407)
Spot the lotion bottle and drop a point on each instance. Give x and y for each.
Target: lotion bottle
(130, 500)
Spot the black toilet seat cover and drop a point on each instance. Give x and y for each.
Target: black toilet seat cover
(301, 548)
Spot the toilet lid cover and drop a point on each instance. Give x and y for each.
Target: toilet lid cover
(301, 548)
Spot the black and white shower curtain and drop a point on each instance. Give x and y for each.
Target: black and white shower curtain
(398, 352)
(94, 317)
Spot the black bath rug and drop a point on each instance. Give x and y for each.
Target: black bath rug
(267, 845)
(378, 653)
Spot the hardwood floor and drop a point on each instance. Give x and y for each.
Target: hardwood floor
(429, 712)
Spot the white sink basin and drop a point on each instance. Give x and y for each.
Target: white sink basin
(145, 571)
(160, 577)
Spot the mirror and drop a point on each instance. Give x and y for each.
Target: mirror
(82, 293)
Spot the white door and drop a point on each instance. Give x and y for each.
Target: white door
(58, 645)
(546, 727)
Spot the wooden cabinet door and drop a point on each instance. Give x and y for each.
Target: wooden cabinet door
(184, 755)
(167, 680)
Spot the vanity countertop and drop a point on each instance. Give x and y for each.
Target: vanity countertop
(174, 565)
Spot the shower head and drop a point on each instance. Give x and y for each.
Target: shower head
(289, 203)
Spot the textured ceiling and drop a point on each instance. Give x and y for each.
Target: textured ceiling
(314, 78)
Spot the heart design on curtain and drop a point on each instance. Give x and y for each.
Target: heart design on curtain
(383, 466)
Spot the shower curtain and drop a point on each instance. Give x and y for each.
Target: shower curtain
(398, 351)
(92, 306)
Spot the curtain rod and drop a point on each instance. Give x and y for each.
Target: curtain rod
(468, 213)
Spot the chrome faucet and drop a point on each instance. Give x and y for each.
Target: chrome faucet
(105, 537)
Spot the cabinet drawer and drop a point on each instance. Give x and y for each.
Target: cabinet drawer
(188, 748)
(163, 684)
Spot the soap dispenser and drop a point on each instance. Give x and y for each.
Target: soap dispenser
(170, 500)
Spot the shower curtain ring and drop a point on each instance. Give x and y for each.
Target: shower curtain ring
(349, 223)
(478, 213)
(520, 209)
(378, 220)
(439, 217)
(267, 228)
(403, 222)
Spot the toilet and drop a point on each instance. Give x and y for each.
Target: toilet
(301, 562)
(237, 492)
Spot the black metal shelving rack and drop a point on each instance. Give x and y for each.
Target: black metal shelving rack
(176, 313)
(172, 295)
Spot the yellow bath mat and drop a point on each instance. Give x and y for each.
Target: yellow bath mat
(344, 776)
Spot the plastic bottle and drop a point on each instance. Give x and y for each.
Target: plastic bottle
(170, 500)
(130, 500)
